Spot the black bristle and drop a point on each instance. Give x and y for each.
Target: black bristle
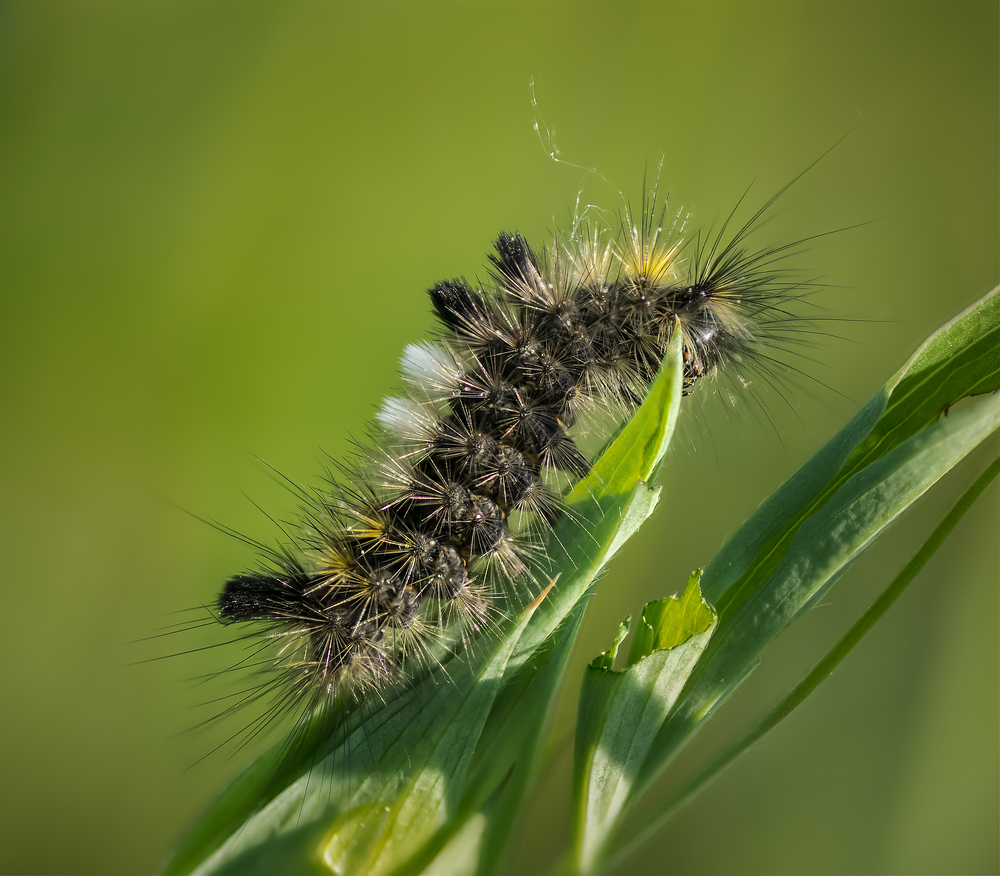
(514, 259)
(456, 304)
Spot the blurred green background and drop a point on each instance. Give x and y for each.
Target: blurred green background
(218, 220)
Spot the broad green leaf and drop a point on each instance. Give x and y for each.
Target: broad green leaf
(620, 713)
(404, 787)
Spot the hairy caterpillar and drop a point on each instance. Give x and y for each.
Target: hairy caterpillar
(411, 548)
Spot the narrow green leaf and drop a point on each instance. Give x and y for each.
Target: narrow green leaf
(803, 538)
(608, 506)
(621, 713)
(809, 532)
(603, 511)
(654, 817)
(514, 740)
(962, 359)
(825, 545)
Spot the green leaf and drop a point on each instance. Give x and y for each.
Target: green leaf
(792, 550)
(655, 816)
(406, 787)
(906, 450)
(621, 713)
(962, 359)
(671, 622)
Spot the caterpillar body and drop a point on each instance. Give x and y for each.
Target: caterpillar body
(412, 547)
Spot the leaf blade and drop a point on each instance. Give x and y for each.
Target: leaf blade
(620, 713)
